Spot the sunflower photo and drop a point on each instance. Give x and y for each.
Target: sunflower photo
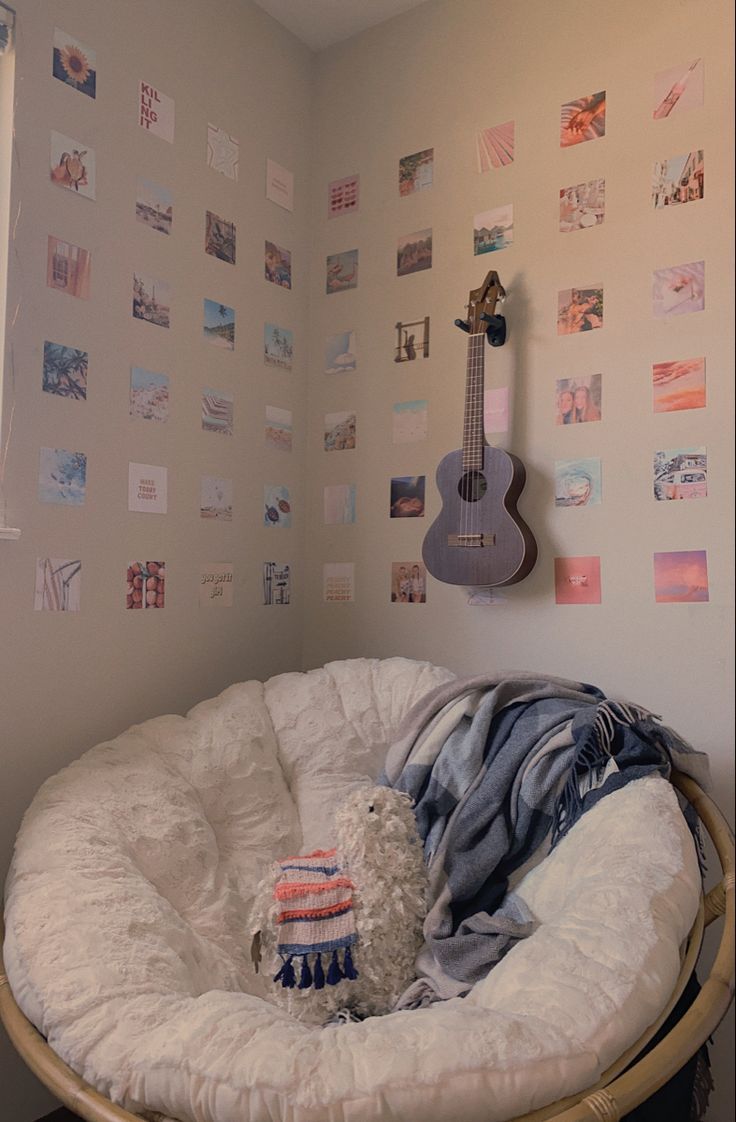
(74, 64)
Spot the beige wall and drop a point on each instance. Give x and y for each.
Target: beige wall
(430, 79)
(68, 680)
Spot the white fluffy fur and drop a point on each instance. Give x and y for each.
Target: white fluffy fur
(378, 847)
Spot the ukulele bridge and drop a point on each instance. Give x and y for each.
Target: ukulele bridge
(471, 540)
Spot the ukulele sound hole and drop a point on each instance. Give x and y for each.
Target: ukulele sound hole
(472, 486)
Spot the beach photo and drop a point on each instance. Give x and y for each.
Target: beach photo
(339, 504)
(409, 421)
(149, 394)
(219, 325)
(65, 371)
(278, 428)
(678, 385)
(62, 477)
(339, 431)
(278, 346)
(681, 577)
(154, 206)
(493, 229)
(152, 300)
(216, 498)
(217, 412)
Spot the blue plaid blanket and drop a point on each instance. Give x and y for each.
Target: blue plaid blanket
(500, 768)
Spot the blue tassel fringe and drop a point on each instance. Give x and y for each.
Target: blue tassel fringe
(286, 974)
(314, 975)
(334, 974)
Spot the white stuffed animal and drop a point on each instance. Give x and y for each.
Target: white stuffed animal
(371, 892)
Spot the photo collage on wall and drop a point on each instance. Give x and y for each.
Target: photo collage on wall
(69, 371)
(579, 306)
(673, 179)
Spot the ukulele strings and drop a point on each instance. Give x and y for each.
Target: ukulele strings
(473, 442)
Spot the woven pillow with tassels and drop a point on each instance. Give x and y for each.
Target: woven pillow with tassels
(315, 918)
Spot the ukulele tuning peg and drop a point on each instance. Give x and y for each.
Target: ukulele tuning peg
(462, 324)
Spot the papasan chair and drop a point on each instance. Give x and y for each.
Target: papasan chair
(127, 985)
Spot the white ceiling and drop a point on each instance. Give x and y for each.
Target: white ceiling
(320, 23)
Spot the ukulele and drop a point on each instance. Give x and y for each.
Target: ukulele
(479, 539)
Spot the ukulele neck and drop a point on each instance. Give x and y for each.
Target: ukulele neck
(474, 439)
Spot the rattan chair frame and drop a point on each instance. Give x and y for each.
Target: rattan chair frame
(624, 1086)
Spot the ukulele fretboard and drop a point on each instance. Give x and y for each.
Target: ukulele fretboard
(473, 427)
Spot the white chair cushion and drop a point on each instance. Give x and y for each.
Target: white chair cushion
(133, 875)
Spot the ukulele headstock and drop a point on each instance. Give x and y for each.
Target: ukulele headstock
(482, 315)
